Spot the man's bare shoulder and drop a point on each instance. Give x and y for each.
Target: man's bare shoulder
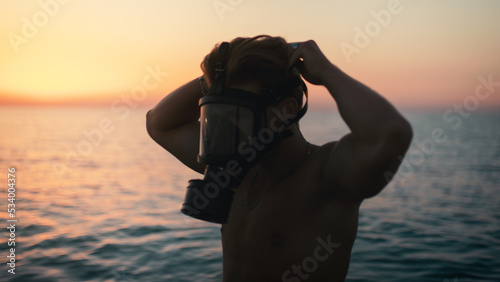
(320, 153)
(319, 162)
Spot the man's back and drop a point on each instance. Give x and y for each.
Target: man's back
(296, 230)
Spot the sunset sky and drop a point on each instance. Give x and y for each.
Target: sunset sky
(415, 53)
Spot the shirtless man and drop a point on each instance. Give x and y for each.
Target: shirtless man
(295, 215)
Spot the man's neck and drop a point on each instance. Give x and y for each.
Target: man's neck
(283, 160)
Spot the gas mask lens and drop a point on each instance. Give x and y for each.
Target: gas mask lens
(223, 127)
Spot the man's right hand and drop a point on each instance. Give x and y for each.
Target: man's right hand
(311, 62)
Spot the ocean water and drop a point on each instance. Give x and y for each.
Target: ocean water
(98, 200)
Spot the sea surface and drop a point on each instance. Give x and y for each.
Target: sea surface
(98, 200)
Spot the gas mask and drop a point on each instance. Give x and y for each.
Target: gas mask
(234, 135)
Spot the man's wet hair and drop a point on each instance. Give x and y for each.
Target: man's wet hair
(262, 59)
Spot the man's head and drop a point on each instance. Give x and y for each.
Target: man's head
(255, 99)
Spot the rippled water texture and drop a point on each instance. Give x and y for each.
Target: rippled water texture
(108, 209)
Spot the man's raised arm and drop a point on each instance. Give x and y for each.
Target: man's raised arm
(359, 164)
(173, 123)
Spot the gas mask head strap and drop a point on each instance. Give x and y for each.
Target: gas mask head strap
(279, 93)
(220, 70)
